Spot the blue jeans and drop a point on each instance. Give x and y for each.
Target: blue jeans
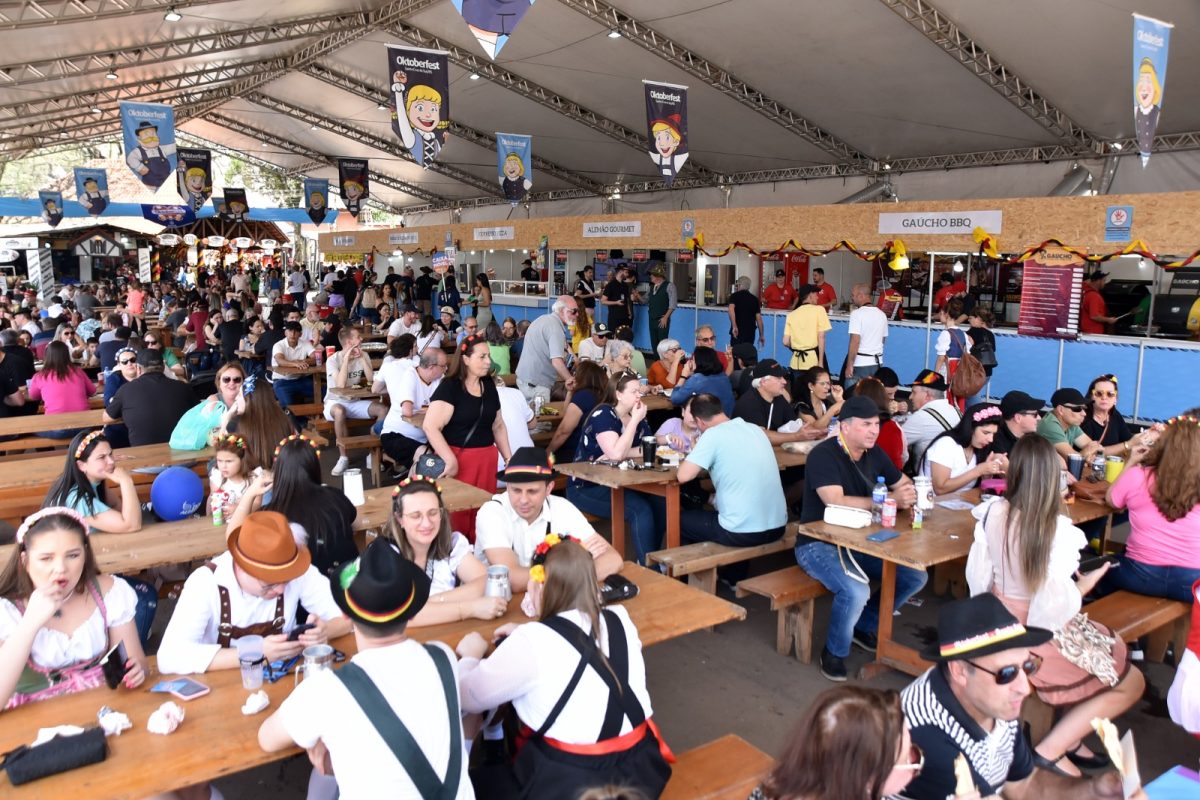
(858, 373)
(645, 514)
(296, 390)
(851, 609)
(1148, 579)
(147, 605)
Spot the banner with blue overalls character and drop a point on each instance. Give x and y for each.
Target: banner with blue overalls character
(148, 131)
(666, 127)
(316, 199)
(354, 179)
(420, 100)
(91, 189)
(52, 207)
(514, 154)
(195, 176)
(492, 21)
(1151, 42)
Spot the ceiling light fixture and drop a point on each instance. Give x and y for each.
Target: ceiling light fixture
(172, 15)
(381, 107)
(96, 109)
(614, 34)
(474, 76)
(112, 71)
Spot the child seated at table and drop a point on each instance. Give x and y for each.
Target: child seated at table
(58, 615)
(253, 589)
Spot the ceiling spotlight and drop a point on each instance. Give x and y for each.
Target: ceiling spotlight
(172, 15)
(111, 74)
(887, 165)
(312, 127)
(614, 34)
(474, 76)
(1116, 145)
(958, 266)
(96, 109)
(381, 107)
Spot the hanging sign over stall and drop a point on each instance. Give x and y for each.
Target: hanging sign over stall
(514, 153)
(52, 207)
(148, 130)
(91, 189)
(1151, 43)
(316, 199)
(420, 100)
(195, 176)
(941, 222)
(496, 234)
(168, 239)
(405, 237)
(144, 273)
(666, 127)
(612, 230)
(1051, 290)
(353, 177)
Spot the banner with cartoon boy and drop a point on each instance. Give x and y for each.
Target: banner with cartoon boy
(91, 189)
(354, 182)
(195, 176)
(236, 204)
(52, 207)
(1151, 41)
(316, 199)
(514, 153)
(148, 131)
(420, 100)
(492, 21)
(666, 126)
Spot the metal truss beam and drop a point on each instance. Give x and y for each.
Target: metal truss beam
(33, 14)
(376, 95)
(937, 28)
(539, 94)
(717, 78)
(312, 155)
(389, 146)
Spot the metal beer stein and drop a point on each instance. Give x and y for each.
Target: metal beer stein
(497, 582)
(317, 658)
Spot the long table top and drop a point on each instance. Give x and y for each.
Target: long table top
(38, 423)
(41, 472)
(215, 739)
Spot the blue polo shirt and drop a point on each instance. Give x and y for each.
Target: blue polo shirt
(741, 463)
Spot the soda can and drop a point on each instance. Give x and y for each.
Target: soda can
(217, 499)
(889, 513)
(319, 357)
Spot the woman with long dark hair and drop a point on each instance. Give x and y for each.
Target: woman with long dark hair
(430, 335)
(534, 669)
(263, 423)
(703, 374)
(592, 388)
(1026, 552)
(480, 301)
(465, 427)
(950, 460)
(61, 386)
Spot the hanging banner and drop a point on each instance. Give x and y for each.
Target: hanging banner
(195, 176)
(148, 130)
(168, 216)
(236, 205)
(666, 126)
(492, 21)
(355, 183)
(144, 272)
(40, 267)
(1151, 41)
(1051, 290)
(52, 207)
(514, 153)
(420, 100)
(316, 199)
(91, 189)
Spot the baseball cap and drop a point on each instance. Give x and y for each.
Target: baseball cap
(859, 407)
(1067, 396)
(779, 273)
(444, 310)
(600, 329)
(1016, 402)
(769, 368)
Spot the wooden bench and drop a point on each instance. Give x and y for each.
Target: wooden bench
(699, 561)
(1132, 616)
(792, 593)
(728, 768)
(31, 447)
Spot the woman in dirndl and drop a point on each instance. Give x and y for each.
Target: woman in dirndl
(1026, 552)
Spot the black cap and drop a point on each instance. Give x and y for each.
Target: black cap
(779, 273)
(1067, 396)
(858, 407)
(150, 359)
(769, 368)
(930, 380)
(978, 626)
(1015, 402)
(887, 376)
(528, 465)
(600, 329)
(380, 587)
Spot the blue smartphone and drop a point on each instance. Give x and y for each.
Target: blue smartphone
(882, 536)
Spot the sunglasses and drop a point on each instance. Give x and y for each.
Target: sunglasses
(1076, 409)
(916, 760)
(234, 379)
(124, 362)
(1008, 674)
(1103, 393)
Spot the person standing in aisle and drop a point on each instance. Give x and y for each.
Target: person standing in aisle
(745, 314)
(660, 305)
(868, 333)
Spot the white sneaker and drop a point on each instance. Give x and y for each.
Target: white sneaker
(340, 467)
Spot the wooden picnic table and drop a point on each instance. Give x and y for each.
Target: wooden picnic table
(216, 740)
(317, 373)
(39, 473)
(39, 423)
(362, 393)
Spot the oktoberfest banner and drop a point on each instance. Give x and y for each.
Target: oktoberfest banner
(492, 21)
(236, 205)
(91, 189)
(666, 126)
(52, 207)
(148, 131)
(168, 215)
(1151, 41)
(195, 176)
(316, 199)
(355, 183)
(514, 152)
(420, 100)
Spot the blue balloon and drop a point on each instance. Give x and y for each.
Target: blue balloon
(177, 493)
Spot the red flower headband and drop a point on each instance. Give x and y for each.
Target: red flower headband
(415, 480)
(537, 568)
(298, 437)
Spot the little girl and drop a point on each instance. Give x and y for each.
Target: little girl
(229, 475)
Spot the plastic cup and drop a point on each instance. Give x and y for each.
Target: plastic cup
(250, 658)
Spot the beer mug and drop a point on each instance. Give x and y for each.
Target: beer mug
(317, 658)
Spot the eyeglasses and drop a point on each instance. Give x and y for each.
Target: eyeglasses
(124, 362)
(68, 333)
(1008, 674)
(414, 517)
(916, 760)
(234, 379)
(1103, 393)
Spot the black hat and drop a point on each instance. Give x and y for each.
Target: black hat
(978, 626)
(527, 262)
(1067, 396)
(1097, 275)
(769, 368)
(426, 269)
(145, 125)
(888, 377)
(859, 407)
(150, 359)
(528, 465)
(779, 273)
(930, 380)
(600, 329)
(380, 587)
(1015, 402)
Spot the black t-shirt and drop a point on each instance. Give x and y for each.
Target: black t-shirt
(746, 309)
(328, 518)
(150, 407)
(267, 342)
(530, 274)
(1117, 431)
(20, 361)
(617, 315)
(10, 382)
(424, 287)
(754, 409)
(1003, 442)
(586, 287)
(983, 339)
(230, 333)
(469, 410)
(829, 465)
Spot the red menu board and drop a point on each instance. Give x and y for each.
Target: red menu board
(602, 255)
(640, 255)
(1051, 290)
(684, 256)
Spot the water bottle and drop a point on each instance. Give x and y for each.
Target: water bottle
(878, 496)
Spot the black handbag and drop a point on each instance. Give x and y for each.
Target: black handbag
(430, 465)
(60, 754)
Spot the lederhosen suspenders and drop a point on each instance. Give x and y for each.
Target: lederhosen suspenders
(227, 631)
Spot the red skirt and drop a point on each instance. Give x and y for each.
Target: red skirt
(476, 466)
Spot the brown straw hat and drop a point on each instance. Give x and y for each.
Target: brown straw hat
(264, 547)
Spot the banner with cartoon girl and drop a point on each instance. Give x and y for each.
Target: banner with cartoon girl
(236, 205)
(666, 127)
(316, 199)
(514, 154)
(492, 21)
(420, 100)
(195, 176)
(91, 189)
(1151, 41)
(52, 207)
(354, 182)
(148, 131)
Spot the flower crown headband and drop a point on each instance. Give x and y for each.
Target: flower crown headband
(416, 480)
(297, 437)
(986, 413)
(1183, 418)
(233, 440)
(38, 516)
(537, 564)
(85, 441)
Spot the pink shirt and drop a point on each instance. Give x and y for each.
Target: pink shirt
(62, 396)
(1153, 539)
(135, 301)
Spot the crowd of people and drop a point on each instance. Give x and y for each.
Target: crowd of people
(573, 680)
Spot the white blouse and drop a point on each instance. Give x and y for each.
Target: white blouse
(949, 454)
(443, 573)
(55, 649)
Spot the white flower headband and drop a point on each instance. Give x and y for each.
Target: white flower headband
(37, 516)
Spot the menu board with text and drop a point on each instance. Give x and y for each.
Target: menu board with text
(1051, 291)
